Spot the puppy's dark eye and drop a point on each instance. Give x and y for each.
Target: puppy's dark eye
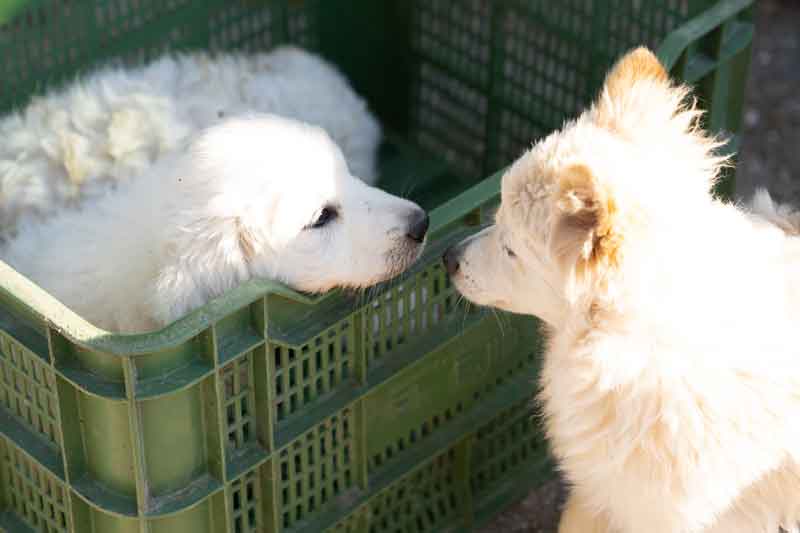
(327, 214)
(509, 252)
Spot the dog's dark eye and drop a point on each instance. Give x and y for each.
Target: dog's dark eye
(326, 215)
(509, 252)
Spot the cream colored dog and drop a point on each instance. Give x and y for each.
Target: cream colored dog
(671, 385)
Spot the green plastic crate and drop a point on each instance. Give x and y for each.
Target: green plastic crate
(397, 409)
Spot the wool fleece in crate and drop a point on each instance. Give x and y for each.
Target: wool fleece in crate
(111, 125)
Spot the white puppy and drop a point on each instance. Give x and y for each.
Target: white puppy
(77, 142)
(254, 197)
(671, 383)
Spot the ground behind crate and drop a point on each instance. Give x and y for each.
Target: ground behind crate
(770, 157)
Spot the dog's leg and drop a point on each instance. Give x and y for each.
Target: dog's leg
(578, 518)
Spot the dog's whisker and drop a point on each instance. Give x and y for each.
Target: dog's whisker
(499, 322)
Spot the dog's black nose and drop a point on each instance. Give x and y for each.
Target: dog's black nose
(451, 258)
(418, 226)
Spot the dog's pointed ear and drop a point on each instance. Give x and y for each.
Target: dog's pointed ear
(636, 89)
(640, 64)
(585, 232)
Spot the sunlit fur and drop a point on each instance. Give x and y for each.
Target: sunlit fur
(77, 142)
(238, 203)
(785, 216)
(671, 384)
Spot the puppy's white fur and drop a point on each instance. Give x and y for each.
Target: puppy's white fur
(77, 142)
(785, 216)
(671, 385)
(244, 200)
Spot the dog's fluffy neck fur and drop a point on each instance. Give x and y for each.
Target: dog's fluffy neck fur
(646, 385)
(636, 299)
(642, 294)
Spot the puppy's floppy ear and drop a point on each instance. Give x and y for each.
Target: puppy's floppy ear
(637, 90)
(201, 260)
(585, 232)
(249, 243)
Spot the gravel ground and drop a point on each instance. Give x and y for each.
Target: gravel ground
(769, 157)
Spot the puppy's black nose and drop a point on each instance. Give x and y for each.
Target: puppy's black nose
(418, 226)
(451, 258)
